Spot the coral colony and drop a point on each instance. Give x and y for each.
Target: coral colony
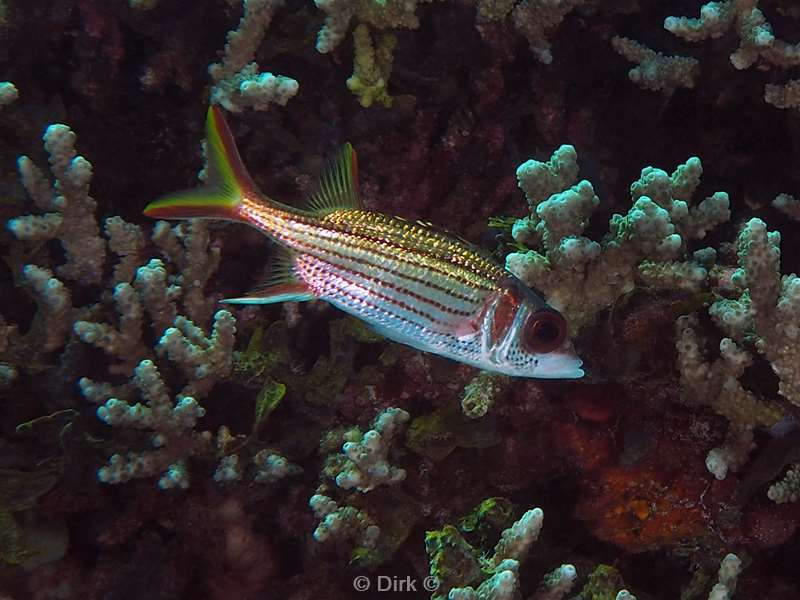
(632, 166)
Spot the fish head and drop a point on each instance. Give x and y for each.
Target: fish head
(521, 335)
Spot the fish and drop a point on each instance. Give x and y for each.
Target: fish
(409, 281)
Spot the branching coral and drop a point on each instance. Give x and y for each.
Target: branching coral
(788, 205)
(54, 315)
(757, 42)
(155, 292)
(557, 584)
(73, 220)
(580, 276)
(767, 313)
(342, 523)
(388, 14)
(202, 358)
(458, 567)
(717, 384)
(766, 316)
(729, 570)
(365, 465)
(655, 71)
(174, 438)
(788, 488)
(372, 67)
(535, 19)
(237, 80)
(756, 39)
(272, 467)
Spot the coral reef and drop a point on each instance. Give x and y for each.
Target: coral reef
(73, 222)
(237, 81)
(287, 451)
(580, 276)
(655, 71)
(173, 426)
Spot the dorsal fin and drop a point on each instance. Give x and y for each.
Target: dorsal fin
(337, 188)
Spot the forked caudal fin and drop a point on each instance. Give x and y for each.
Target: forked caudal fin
(227, 180)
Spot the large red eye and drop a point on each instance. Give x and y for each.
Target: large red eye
(545, 331)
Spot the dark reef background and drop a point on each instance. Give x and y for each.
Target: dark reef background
(616, 463)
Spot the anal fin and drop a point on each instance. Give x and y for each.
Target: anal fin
(283, 292)
(282, 285)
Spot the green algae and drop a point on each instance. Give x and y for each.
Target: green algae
(437, 434)
(489, 518)
(603, 584)
(453, 561)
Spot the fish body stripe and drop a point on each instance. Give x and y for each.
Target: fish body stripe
(427, 289)
(455, 260)
(414, 307)
(453, 300)
(359, 301)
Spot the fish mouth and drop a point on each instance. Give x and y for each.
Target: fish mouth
(558, 365)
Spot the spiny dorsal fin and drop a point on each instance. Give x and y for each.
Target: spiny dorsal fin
(281, 285)
(337, 188)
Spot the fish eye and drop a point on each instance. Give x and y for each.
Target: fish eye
(545, 331)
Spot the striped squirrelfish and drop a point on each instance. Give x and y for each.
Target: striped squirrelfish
(410, 282)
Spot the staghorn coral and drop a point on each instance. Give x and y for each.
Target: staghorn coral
(476, 110)
(763, 316)
(557, 583)
(458, 567)
(55, 312)
(717, 384)
(338, 524)
(238, 84)
(535, 19)
(365, 465)
(756, 39)
(272, 467)
(372, 67)
(390, 14)
(767, 312)
(788, 488)
(758, 44)
(73, 220)
(154, 291)
(203, 359)
(173, 437)
(655, 71)
(580, 276)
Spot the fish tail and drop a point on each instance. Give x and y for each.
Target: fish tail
(227, 181)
